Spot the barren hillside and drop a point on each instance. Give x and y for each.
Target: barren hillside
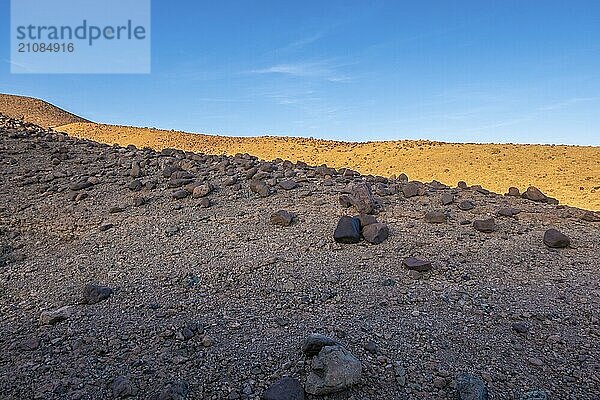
(569, 173)
(36, 111)
(130, 273)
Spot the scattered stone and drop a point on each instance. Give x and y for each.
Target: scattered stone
(370, 346)
(138, 201)
(136, 185)
(93, 293)
(471, 387)
(466, 205)
(439, 382)
(122, 387)
(177, 390)
(205, 202)
(462, 185)
(313, 344)
(80, 185)
(288, 185)
(535, 361)
(347, 230)
(30, 344)
(508, 212)
(282, 218)
(202, 190)
(55, 316)
(415, 264)
(135, 171)
(259, 187)
(105, 227)
(534, 194)
(284, 389)
(180, 194)
(485, 225)
(520, 327)
(591, 216)
(411, 189)
(376, 233)
(366, 219)
(333, 369)
(555, 239)
(513, 191)
(435, 217)
(116, 210)
(361, 197)
(447, 199)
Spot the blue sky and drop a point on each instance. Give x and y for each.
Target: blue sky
(458, 71)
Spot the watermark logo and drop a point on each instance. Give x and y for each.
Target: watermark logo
(80, 36)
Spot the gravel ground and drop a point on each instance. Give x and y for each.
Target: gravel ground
(218, 297)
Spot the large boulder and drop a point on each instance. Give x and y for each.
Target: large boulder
(347, 230)
(376, 233)
(333, 369)
(361, 197)
(556, 239)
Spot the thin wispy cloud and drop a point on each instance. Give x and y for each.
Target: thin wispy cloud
(566, 103)
(317, 70)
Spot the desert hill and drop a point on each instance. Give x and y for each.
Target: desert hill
(133, 273)
(569, 173)
(36, 111)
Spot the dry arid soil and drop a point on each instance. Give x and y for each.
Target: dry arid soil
(128, 272)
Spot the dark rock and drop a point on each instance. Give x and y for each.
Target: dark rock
(435, 217)
(288, 185)
(485, 225)
(282, 218)
(415, 264)
(471, 387)
(347, 230)
(259, 187)
(135, 171)
(345, 201)
(591, 216)
(513, 191)
(180, 194)
(205, 202)
(370, 346)
(333, 369)
(361, 197)
(534, 194)
(30, 344)
(508, 212)
(411, 189)
(376, 233)
(462, 185)
(55, 316)
(138, 201)
(136, 185)
(284, 389)
(447, 199)
(116, 210)
(313, 344)
(555, 239)
(466, 205)
(177, 390)
(105, 227)
(403, 177)
(202, 190)
(122, 387)
(366, 219)
(93, 293)
(479, 189)
(520, 327)
(80, 185)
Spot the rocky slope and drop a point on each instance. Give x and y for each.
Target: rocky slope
(165, 275)
(36, 111)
